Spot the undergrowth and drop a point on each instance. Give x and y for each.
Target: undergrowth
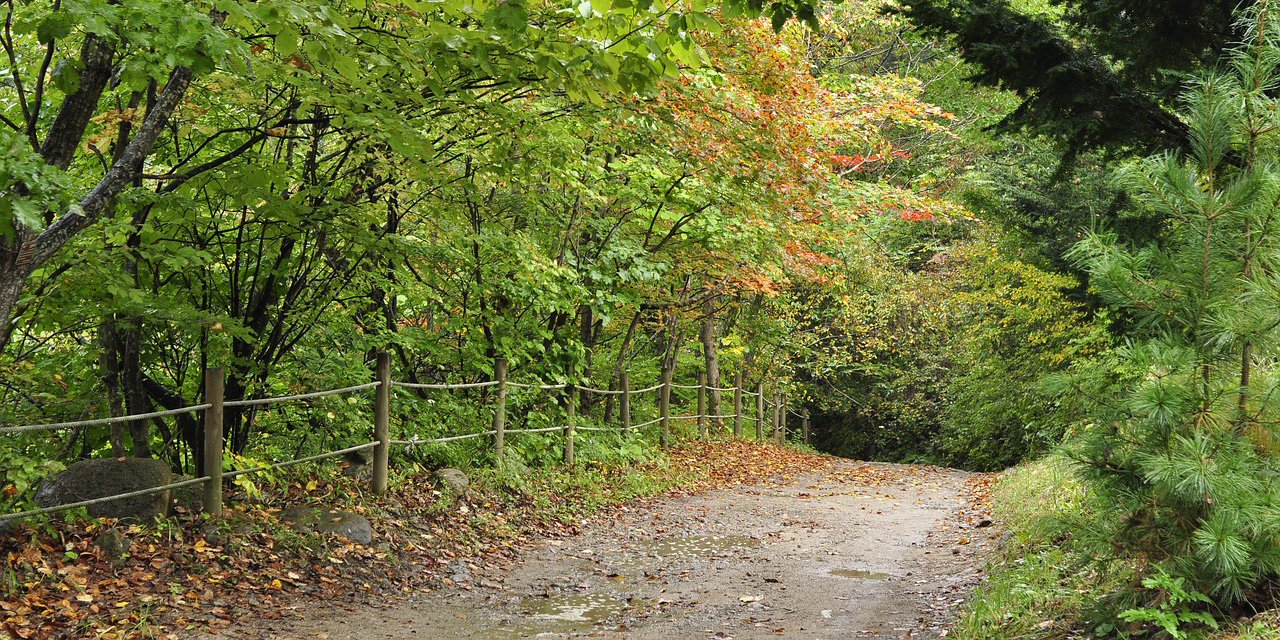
(1050, 581)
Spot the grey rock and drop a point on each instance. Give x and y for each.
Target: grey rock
(190, 498)
(514, 466)
(362, 457)
(358, 462)
(114, 545)
(103, 477)
(351, 526)
(220, 533)
(453, 481)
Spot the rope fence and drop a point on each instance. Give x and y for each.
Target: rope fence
(5, 518)
(447, 387)
(89, 423)
(300, 396)
(290, 463)
(215, 404)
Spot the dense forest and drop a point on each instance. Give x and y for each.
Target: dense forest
(970, 233)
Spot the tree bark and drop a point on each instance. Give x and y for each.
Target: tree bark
(27, 251)
(711, 356)
(109, 358)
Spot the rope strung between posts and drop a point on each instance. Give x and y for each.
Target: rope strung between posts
(653, 388)
(465, 385)
(606, 392)
(685, 386)
(86, 423)
(544, 387)
(415, 440)
(290, 463)
(645, 424)
(300, 396)
(85, 503)
(542, 430)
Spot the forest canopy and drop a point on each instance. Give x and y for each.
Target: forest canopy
(962, 232)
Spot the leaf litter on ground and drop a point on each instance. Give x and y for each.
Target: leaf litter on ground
(184, 575)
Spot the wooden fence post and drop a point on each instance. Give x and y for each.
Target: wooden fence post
(214, 381)
(760, 411)
(664, 408)
(624, 405)
(782, 417)
(500, 411)
(806, 426)
(703, 421)
(737, 404)
(381, 423)
(568, 424)
(777, 415)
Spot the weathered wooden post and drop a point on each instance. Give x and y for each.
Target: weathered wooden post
(381, 422)
(702, 405)
(782, 417)
(568, 425)
(500, 411)
(664, 408)
(737, 404)
(760, 411)
(777, 415)
(624, 405)
(805, 426)
(214, 382)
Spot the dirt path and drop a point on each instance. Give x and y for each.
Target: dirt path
(862, 550)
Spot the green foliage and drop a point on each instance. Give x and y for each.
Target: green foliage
(1015, 328)
(1175, 610)
(1036, 585)
(1181, 448)
(948, 358)
(1092, 72)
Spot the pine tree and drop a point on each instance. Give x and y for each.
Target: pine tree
(1185, 455)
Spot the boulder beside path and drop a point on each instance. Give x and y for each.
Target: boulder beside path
(351, 526)
(103, 477)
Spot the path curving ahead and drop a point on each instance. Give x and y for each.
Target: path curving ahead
(859, 550)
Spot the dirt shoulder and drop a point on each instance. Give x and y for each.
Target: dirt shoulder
(854, 550)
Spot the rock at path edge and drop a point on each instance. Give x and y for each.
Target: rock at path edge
(102, 477)
(454, 481)
(351, 526)
(113, 544)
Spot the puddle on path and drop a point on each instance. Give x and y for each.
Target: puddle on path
(564, 613)
(697, 546)
(859, 574)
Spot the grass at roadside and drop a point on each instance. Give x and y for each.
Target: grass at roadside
(183, 576)
(1040, 585)
(1037, 587)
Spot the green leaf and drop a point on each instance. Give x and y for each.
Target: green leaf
(56, 26)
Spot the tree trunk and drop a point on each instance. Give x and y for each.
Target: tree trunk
(621, 363)
(109, 358)
(135, 398)
(711, 355)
